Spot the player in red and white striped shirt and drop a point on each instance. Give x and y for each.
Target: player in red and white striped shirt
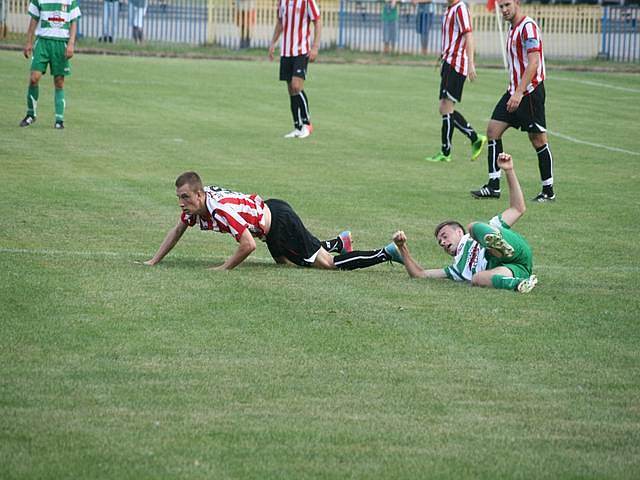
(522, 106)
(247, 217)
(457, 64)
(293, 23)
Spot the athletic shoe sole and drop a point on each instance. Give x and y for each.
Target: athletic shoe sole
(496, 242)
(476, 153)
(394, 253)
(527, 285)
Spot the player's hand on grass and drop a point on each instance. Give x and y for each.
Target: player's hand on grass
(149, 263)
(505, 162)
(400, 239)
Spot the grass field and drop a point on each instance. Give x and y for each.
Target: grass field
(114, 370)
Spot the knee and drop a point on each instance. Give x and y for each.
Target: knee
(34, 78)
(58, 82)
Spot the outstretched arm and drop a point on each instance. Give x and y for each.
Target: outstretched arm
(246, 246)
(517, 206)
(168, 243)
(413, 268)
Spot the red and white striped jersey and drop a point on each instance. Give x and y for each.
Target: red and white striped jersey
(295, 16)
(455, 23)
(230, 212)
(522, 39)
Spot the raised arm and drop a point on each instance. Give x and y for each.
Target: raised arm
(246, 246)
(517, 205)
(413, 268)
(168, 243)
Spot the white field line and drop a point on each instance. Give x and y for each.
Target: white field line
(584, 142)
(143, 256)
(591, 144)
(597, 84)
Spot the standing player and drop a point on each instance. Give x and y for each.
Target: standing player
(457, 64)
(522, 106)
(490, 255)
(56, 23)
(294, 17)
(247, 217)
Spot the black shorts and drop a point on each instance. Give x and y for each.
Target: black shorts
(293, 67)
(529, 117)
(451, 83)
(288, 236)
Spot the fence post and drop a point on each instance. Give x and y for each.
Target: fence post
(210, 22)
(605, 25)
(341, 24)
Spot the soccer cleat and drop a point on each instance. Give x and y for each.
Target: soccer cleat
(346, 242)
(295, 133)
(496, 242)
(485, 192)
(28, 120)
(528, 284)
(544, 198)
(393, 253)
(59, 125)
(477, 146)
(439, 157)
(305, 131)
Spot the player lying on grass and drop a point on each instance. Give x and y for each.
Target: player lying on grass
(247, 217)
(490, 255)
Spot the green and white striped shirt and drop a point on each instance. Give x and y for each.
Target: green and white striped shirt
(470, 256)
(55, 17)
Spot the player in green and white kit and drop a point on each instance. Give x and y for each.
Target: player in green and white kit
(490, 255)
(54, 23)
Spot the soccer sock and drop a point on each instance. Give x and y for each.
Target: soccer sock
(295, 111)
(333, 245)
(360, 259)
(32, 100)
(545, 163)
(446, 133)
(461, 124)
(306, 116)
(505, 283)
(493, 150)
(60, 104)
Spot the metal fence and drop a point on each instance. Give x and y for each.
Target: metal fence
(620, 39)
(575, 32)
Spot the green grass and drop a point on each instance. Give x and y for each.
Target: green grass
(114, 370)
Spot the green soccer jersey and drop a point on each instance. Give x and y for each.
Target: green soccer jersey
(54, 17)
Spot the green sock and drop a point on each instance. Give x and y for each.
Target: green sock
(32, 100)
(60, 104)
(505, 283)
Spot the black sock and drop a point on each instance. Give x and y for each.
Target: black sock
(465, 127)
(306, 117)
(360, 259)
(333, 245)
(295, 111)
(545, 164)
(446, 133)
(494, 149)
